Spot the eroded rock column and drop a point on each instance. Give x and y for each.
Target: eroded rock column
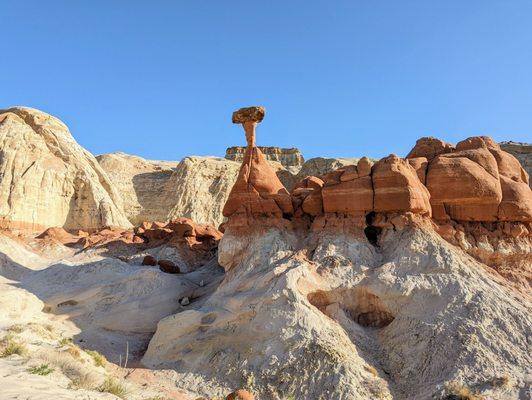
(257, 191)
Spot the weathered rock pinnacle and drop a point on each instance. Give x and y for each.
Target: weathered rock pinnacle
(249, 117)
(257, 189)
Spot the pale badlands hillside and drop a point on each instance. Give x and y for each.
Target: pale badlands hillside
(400, 278)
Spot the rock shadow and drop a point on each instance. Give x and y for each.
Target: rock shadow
(116, 305)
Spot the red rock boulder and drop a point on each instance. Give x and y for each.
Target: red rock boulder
(397, 187)
(240, 394)
(346, 191)
(462, 189)
(430, 147)
(516, 203)
(479, 182)
(420, 165)
(168, 266)
(149, 260)
(57, 234)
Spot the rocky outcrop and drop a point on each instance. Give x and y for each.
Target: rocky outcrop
(296, 314)
(307, 196)
(47, 179)
(479, 182)
(154, 233)
(200, 187)
(286, 157)
(196, 187)
(257, 190)
(522, 152)
(345, 287)
(142, 184)
(390, 185)
(397, 187)
(503, 248)
(474, 181)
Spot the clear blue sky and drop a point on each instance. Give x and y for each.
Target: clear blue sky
(338, 78)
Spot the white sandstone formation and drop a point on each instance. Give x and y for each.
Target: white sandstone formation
(142, 184)
(335, 317)
(47, 179)
(199, 188)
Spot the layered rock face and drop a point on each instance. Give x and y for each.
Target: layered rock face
(391, 185)
(196, 187)
(142, 184)
(199, 188)
(47, 179)
(287, 157)
(521, 151)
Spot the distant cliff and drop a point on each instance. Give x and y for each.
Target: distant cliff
(521, 151)
(287, 157)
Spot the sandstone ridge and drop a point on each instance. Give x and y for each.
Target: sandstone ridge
(48, 179)
(472, 181)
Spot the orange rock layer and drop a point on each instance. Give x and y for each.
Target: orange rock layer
(184, 230)
(472, 181)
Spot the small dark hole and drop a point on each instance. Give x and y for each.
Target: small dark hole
(370, 217)
(372, 234)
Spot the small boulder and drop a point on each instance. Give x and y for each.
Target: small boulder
(430, 147)
(168, 266)
(57, 234)
(182, 227)
(240, 394)
(157, 234)
(145, 225)
(248, 114)
(149, 260)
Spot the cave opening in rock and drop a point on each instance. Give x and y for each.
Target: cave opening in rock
(360, 305)
(372, 232)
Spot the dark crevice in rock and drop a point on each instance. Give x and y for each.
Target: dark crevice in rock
(372, 232)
